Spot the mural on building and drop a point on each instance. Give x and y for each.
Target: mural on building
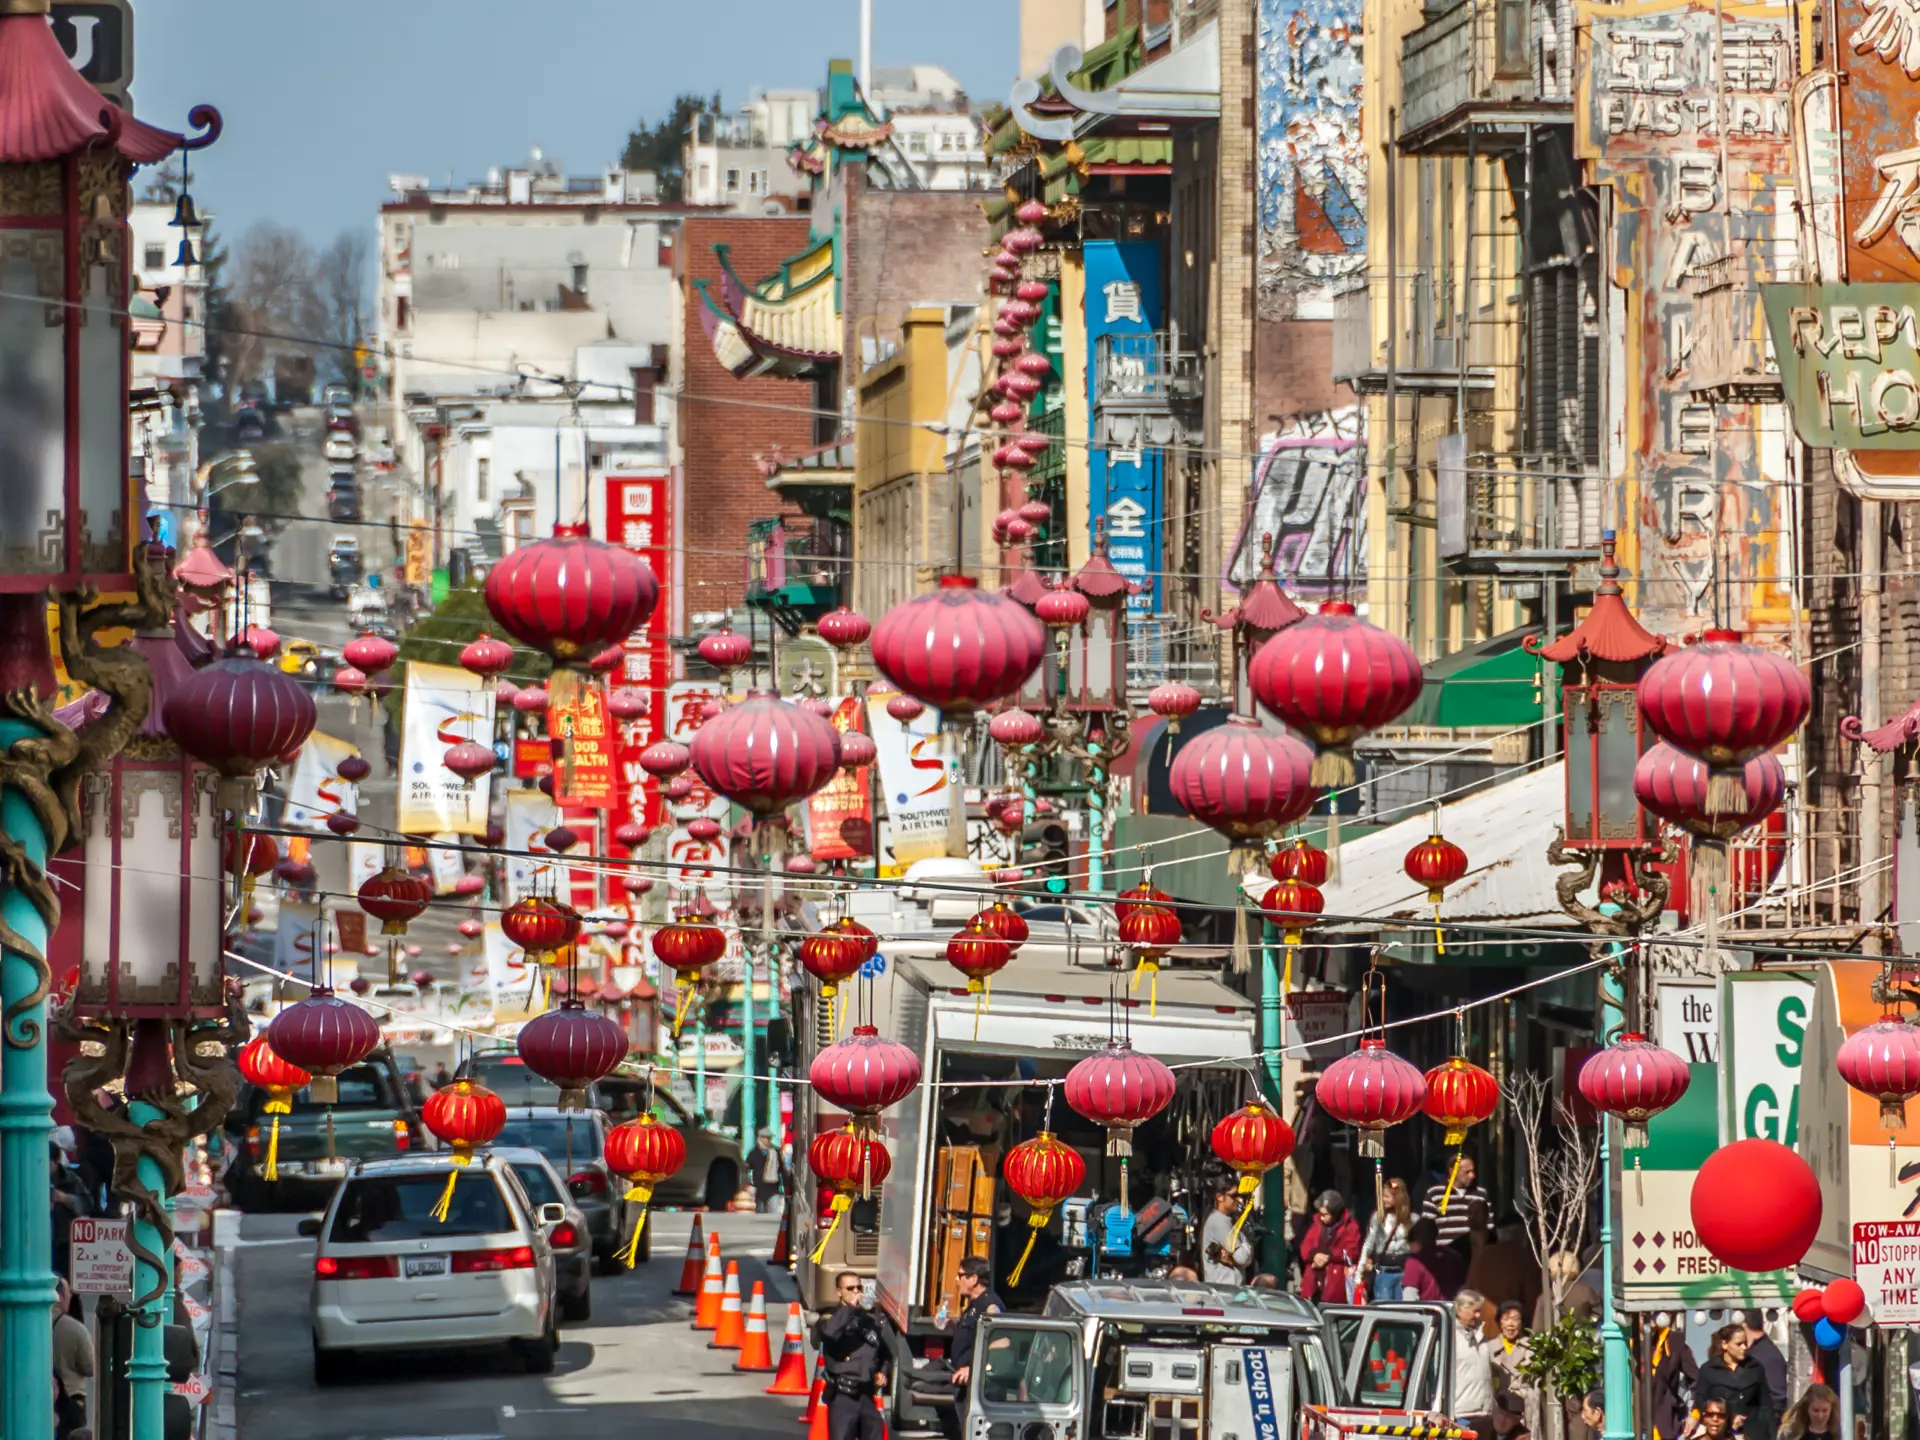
(1697, 206)
(1313, 169)
(1310, 494)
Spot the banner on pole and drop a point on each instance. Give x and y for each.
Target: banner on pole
(529, 815)
(444, 706)
(315, 789)
(840, 813)
(920, 782)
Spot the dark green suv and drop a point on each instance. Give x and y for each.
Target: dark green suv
(374, 1118)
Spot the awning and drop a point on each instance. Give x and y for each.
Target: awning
(1493, 685)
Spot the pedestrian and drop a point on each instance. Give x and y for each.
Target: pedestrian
(1715, 1420)
(1673, 1372)
(72, 1364)
(1570, 1294)
(1419, 1279)
(66, 1197)
(973, 1283)
(1224, 1257)
(1511, 1352)
(1329, 1251)
(1766, 1354)
(441, 1078)
(764, 1165)
(1472, 1366)
(853, 1341)
(1735, 1378)
(1593, 1411)
(1814, 1416)
(1385, 1253)
(1510, 1417)
(1450, 1205)
(1507, 1268)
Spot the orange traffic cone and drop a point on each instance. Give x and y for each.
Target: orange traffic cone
(754, 1354)
(817, 1395)
(783, 1245)
(817, 1426)
(880, 1404)
(792, 1376)
(732, 1329)
(706, 1310)
(692, 1267)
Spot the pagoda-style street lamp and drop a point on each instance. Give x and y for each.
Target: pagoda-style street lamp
(1263, 612)
(1096, 693)
(68, 519)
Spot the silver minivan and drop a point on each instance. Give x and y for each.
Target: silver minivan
(388, 1275)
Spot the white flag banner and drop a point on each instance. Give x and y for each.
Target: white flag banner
(365, 859)
(315, 789)
(297, 940)
(511, 978)
(529, 816)
(445, 705)
(446, 863)
(920, 780)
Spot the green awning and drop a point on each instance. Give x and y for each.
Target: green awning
(1492, 685)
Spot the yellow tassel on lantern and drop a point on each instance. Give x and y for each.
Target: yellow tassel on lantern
(1439, 935)
(1453, 1174)
(1038, 1221)
(277, 1106)
(462, 1157)
(1249, 1182)
(842, 1202)
(1150, 968)
(643, 1194)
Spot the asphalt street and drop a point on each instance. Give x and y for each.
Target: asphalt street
(636, 1368)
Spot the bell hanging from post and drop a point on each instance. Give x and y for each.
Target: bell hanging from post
(186, 257)
(184, 217)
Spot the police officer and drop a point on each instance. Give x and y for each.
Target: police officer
(854, 1341)
(972, 1283)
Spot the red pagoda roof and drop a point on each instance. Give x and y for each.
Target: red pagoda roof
(1609, 631)
(1263, 604)
(1097, 579)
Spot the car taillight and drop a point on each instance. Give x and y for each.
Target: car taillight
(587, 1182)
(563, 1236)
(476, 1262)
(356, 1267)
(254, 1146)
(402, 1135)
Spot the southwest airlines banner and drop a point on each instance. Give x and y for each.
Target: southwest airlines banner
(315, 789)
(529, 816)
(444, 706)
(921, 781)
(296, 940)
(1124, 467)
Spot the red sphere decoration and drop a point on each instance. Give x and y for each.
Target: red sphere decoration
(323, 1035)
(573, 1048)
(846, 1160)
(1243, 781)
(1459, 1096)
(1119, 1089)
(1778, 1214)
(343, 822)
(857, 749)
(1335, 677)
(764, 753)
(263, 1068)
(540, 926)
(1030, 212)
(370, 652)
(607, 659)
(572, 596)
(1142, 896)
(864, 1074)
(469, 885)
(470, 759)
(486, 655)
(296, 874)
(560, 839)
(977, 953)
(644, 1152)
(678, 788)
(905, 709)
(1003, 920)
(689, 945)
(238, 715)
(394, 898)
(1043, 1172)
(1252, 1140)
(664, 758)
(832, 957)
(1809, 1306)
(704, 828)
(472, 929)
(1843, 1301)
(1015, 728)
(465, 1114)
(1300, 861)
(1436, 863)
(1150, 931)
(1061, 608)
(1370, 1089)
(724, 648)
(869, 942)
(1723, 700)
(844, 629)
(1007, 412)
(1174, 701)
(1634, 1079)
(631, 834)
(422, 979)
(959, 649)
(349, 680)
(1883, 1060)
(1677, 787)
(531, 701)
(261, 854)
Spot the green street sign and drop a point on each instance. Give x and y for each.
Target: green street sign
(1849, 359)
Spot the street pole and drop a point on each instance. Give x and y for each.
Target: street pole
(1273, 1039)
(147, 1370)
(1096, 818)
(1616, 1349)
(26, 1122)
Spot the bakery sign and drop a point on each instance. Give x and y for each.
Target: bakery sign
(1849, 360)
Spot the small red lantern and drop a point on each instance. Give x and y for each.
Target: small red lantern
(1335, 677)
(238, 715)
(1043, 1172)
(1146, 893)
(394, 898)
(704, 828)
(643, 1152)
(540, 926)
(469, 760)
(1674, 785)
(1119, 1089)
(261, 1068)
(846, 1161)
(1061, 608)
(572, 596)
(532, 700)
(1371, 1089)
(905, 709)
(486, 656)
(1295, 907)
(466, 1115)
(665, 758)
(1777, 1214)
(1459, 1095)
(1173, 702)
(832, 957)
(370, 652)
(1436, 862)
(724, 649)
(864, 1074)
(1150, 931)
(857, 749)
(628, 702)
(353, 769)
(323, 1035)
(1016, 729)
(686, 947)
(343, 822)
(296, 874)
(1635, 1080)
(1300, 861)
(1251, 1141)
(572, 1048)
(844, 629)
(977, 953)
(959, 649)
(1883, 1060)
(1003, 920)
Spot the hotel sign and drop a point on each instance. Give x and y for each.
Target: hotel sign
(1849, 362)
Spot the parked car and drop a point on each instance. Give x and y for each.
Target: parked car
(336, 394)
(343, 501)
(250, 423)
(340, 417)
(388, 1275)
(507, 1075)
(571, 1242)
(576, 1143)
(338, 446)
(374, 1117)
(711, 1174)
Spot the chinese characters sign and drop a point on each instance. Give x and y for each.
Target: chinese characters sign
(840, 813)
(640, 517)
(583, 748)
(1123, 307)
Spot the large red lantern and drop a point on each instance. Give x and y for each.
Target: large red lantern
(572, 1047)
(1043, 1172)
(1725, 702)
(1251, 1141)
(323, 1035)
(540, 926)
(394, 898)
(1756, 1206)
(1634, 1079)
(1119, 1089)
(1335, 676)
(765, 754)
(466, 1115)
(959, 649)
(643, 1152)
(1883, 1060)
(864, 1074)
(267, 1072)
(1371, 1089)
(847, 1162)
(1676, 786)
(571, 596)
(1243, 780)
(1459, 1096)
(238, 715)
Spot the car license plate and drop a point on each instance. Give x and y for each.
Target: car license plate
(421, 1267)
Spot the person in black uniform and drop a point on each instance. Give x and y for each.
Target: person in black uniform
(854, 1341)
(974, 1287)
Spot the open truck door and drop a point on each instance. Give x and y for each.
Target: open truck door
(1030, 1377)
(1393, 1357)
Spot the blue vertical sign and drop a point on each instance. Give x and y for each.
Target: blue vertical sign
(1123, 300)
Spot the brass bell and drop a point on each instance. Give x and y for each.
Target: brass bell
(183, 213)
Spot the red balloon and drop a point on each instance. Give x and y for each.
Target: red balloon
(1844, 1301)
(1809, 1306)
(1778, 1213)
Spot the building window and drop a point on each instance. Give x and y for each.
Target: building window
(156, 257)
(580, 279)
(402, 313)
(481, 469)
(916, 142)
(733, 180)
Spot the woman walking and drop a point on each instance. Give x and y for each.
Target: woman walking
(1385, 1255)
(1328, 1250)
(1735, 1379)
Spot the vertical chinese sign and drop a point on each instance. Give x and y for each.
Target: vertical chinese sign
(583, 770)
(640, 517)
(1124, 464)
(840, 813)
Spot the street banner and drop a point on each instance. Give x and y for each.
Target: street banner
(639, 517)
(295, 942)
(582, 746)
(840, 813)
(529, 815)
(315, 789)
(445, 863)
(365, 859)
(532, 757)
(350, 931)
(696, 865)
(920, 780)
(444, 706)
(511, 979)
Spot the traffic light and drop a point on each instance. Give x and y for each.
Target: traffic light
(1044, 854)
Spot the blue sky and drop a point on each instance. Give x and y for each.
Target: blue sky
(322, 103)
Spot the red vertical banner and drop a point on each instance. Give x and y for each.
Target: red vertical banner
(640, 518)
(840, 813)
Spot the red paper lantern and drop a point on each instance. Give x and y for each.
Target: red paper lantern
(664, 758)
(394, 898)
(572, 596)
(959, 649)
(1173, 702)
(1150, 931)
(349, 680)
(470, 760)
(1043, 1172)
(1243, 781)
(343, 822)
(1843, 1301)
(689, 945)
(864, 1074)
(1460, 1095)
(261, 854)
(607, 659)
(764, 753)
(869, 942)
(844, 629)
(677, 789)
(1119, 1089)
(1436, 862)
(905, 709)
(531, 701)
(237, 715)
(469, 885)
(1061, 608)
(1724, 701)
(1294, 906)
(323, 1035)
(370, 652)
(1300, 861)
(1251, 1141)
(540, 926)
(1678, 788)
(1016, 728)
(832, 957)
(977, 953)
(857, 749)
(465, 1114)
(1371, 1089)
(560, 839)
(1883, 1060)
(704, 828)
(1335, 677)
(261, 1068)
(353, 769)
(572, 1048)
(847, 1162)
(643, 1152)
(1635, 1080)
(296, 874)
(724, 648)
(1003, 920)
(1756, 1206)
(486, 656)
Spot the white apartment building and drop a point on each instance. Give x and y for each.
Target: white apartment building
(934, 128)
(740, 160)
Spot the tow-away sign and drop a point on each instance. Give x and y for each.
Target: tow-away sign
(1886, 1262)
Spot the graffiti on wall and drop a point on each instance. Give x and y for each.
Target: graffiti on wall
(1312, 168)
(1310, 494)
(1701, 187)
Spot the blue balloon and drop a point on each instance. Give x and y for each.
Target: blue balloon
(1827, 1335)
